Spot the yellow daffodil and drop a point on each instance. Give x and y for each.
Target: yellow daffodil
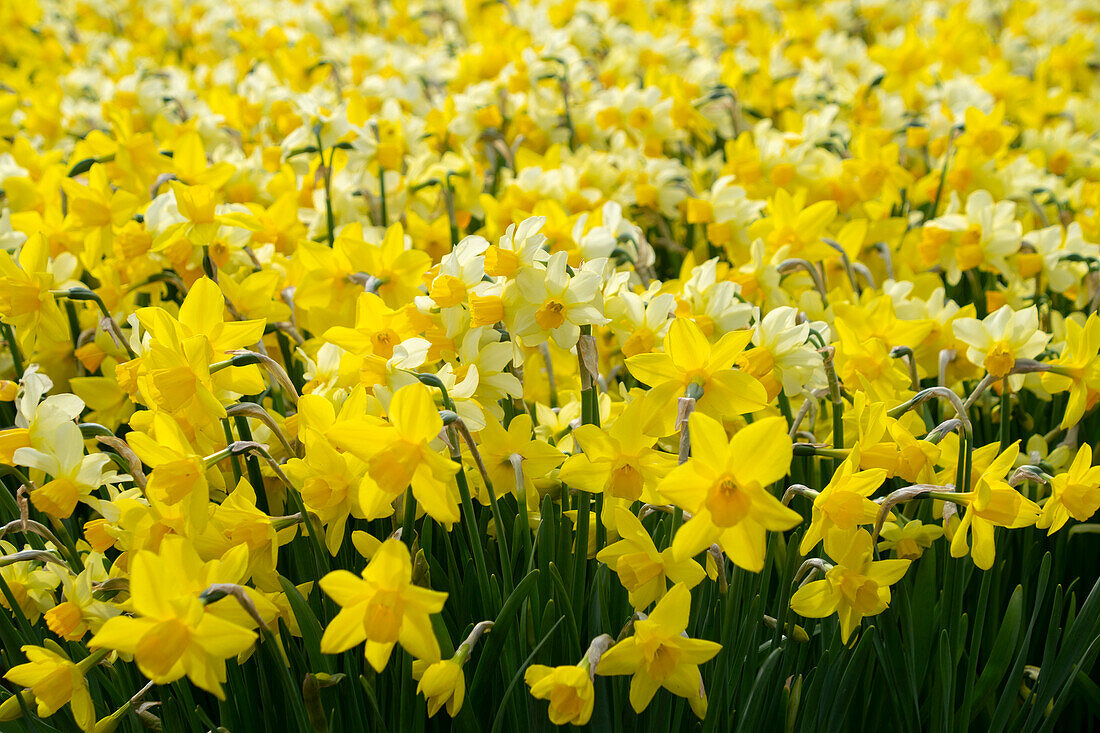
(173, 633)
(844, 501)
(992, 502)
(659, 654)
(725, 485)
(688, 358)
(54, 681)
(1075, 493)
(398, 454)
(1077, 369)
(568, 688)
(642, 569)
(855, 587)
(383, 608)
(909, 539)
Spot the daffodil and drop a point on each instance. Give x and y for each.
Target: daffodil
(179, 473)
(688, 358)
(857, 586)
(991, 502)
(79, 610)
(1077, 369)
(1075, 493)
(73, 476)
(795, 224)
(399, 454)
(568, 688)
(725, 487)
(554, 304)
(442, 683)
(621, 460)
(383, 608)
(997, 341)
(173, 633)
(335, 486)
(844, 501)
(660, 654)
(498, 446)
(54, 681)
(642, 569)
(26, 302)
(909, 539)
(780, 357)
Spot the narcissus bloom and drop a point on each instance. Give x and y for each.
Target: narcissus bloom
(688, 358)
(857, 586)
(991, 503)
(1075, 493)
(568, 688)
(442, 683)
(382, 608)
(844, 502)
(1002, 337)
(642, 569)
(621, 460)
(398, 454)
(660, 654)
(909, 539)
(1077, 370)
(54, 680)
(174, 633)
(725, 486)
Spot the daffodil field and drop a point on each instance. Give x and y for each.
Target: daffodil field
(638, 365)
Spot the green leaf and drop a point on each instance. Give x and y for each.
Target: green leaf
(1001, 654)
(308, 625)
(499, 719)
(494, 642)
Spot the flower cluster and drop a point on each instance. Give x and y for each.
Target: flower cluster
(459, 334)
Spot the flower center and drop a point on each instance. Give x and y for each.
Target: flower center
(1000, 360)
(383, 342)
(448, 291)
(550, 314)
(500, 262)
(625, 482)
(663, 662)
(382, 620)
(727, 502)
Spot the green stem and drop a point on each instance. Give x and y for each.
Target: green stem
(326, 178)
(382, 196)
(1006, 414)
(410, 518)
(234, 459)
(13, 347)
(255, 477)
(471, 526)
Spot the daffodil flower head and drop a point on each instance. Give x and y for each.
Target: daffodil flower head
(568, 688)
(725, 487)
(844, 502)
(659, 654)
(855, 587)
(54, 680)
(382, 608)
(1000, 339)
(642, 569)
(992, 502)
(688, 358)
(173, 633)
(1075, 493)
